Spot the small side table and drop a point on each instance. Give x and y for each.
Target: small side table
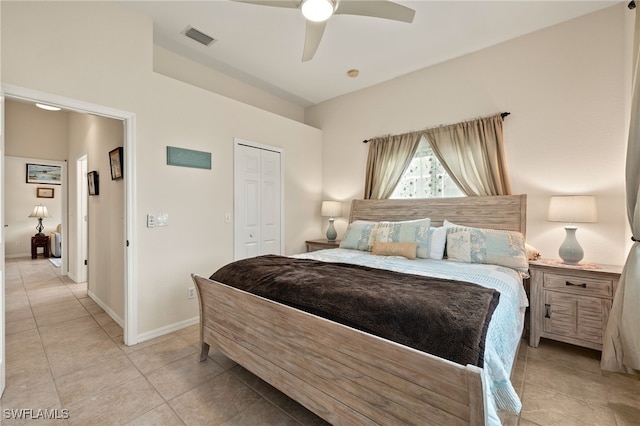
(39, 241)
(313, 245)
(571, 303)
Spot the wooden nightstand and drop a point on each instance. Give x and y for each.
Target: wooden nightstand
(571, 303)
(313, 245)
(39, 241)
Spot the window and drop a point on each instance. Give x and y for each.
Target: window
(425, 177)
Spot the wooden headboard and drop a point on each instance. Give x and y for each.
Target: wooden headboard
(508, 212)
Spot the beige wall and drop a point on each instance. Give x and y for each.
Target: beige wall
(111, 65)
(175, 66)
(26, 142)
(566, 87)
(96, 136)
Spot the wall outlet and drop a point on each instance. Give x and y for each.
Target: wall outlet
(17, 243)
(191, 292)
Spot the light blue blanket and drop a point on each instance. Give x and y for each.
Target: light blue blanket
(505, 328)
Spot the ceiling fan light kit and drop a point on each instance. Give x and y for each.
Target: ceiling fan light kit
(317, 10)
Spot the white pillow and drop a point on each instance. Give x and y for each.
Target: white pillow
(437, 242)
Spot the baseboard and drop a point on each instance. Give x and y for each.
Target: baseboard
(106, 308)
(15, 256)
(167, 329)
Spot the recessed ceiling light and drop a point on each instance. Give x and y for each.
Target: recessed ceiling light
(48, 107)
(353, 73)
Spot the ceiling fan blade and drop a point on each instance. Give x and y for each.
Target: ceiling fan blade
(293, 4)
(376, 9)
(312, 39)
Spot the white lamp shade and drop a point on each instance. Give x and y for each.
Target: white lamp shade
(40, 211)
(331, 208)
(572, 209)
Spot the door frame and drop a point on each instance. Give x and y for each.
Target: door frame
(129, 145)
(236, 143)
(82, 238)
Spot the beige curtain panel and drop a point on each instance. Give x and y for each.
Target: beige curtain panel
(473, 154)
(388, 159)
(621, 343)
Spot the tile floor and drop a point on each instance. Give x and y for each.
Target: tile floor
(64, 352)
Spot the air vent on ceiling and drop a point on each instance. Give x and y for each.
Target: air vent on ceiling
(199, 36)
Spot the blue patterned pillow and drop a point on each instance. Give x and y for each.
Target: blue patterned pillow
(358, 236)
(497, 247)
(409, 231)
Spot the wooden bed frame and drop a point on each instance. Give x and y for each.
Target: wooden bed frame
(346, 376)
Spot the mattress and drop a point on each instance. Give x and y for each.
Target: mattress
(505, 329)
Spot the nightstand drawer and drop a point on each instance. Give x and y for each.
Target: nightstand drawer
(578, 285)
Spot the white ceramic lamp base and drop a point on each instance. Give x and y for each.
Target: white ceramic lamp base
(570, 251)
(331, 232)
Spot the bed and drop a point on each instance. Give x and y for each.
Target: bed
(347, 376)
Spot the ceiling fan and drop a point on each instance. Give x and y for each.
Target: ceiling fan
(317, 12)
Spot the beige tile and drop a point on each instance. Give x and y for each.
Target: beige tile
(93, 380)
(566, 355)
(61, 316)
(215, 401)
(51, 308)
(39, 392)
(295, 409)
(141, 345)
(155, 356)
(116, 405)
(160, 416)
(61, 363)
(182, 375)
(548, 407)
(261, 412)
(20, 325)
(585, 386)
(113, 329)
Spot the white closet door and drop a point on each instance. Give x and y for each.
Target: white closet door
(270, 197)
(257, 186)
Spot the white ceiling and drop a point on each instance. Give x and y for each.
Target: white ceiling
(263, 45)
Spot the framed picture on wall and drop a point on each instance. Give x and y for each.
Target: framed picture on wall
(92, 178)
(42, 173)
(44, 192)
(115, 159)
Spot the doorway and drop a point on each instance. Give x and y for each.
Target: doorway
(128, 119)
(82, 231)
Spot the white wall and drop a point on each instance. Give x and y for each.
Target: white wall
(111, 65)
(566, 87)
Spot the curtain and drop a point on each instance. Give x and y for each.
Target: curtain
(388, 159)
(621, 342)
(472, 153)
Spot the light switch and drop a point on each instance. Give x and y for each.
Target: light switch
(227, 217)
(151, 220)
(162, 219)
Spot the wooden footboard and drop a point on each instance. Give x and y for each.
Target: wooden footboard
(343, 375)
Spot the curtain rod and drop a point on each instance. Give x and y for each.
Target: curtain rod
(502, 114)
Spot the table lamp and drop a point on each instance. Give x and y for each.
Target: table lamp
(40, 212)
(572, 209)
(331, 209)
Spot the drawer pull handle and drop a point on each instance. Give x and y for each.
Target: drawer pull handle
(569, 283)
(547, 308)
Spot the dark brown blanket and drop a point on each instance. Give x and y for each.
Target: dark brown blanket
(445, 318)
